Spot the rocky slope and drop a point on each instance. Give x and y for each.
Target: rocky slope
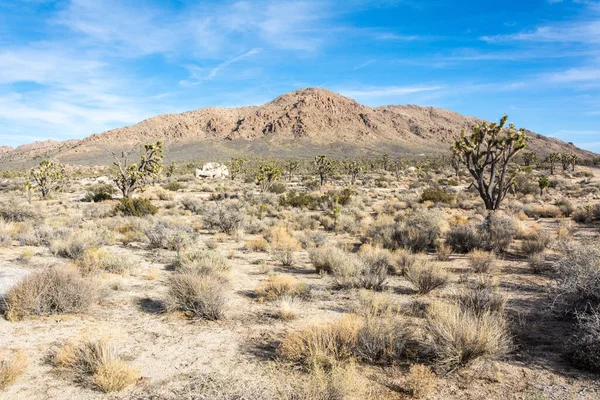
(300, 123)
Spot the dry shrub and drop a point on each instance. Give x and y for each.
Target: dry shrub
(460, 337)
(99, 360)
(53, 291)
(382, 340)
(421, 381)
(94, 261)
(328, 258)
(283, 245)
(578, 278)
(322, 346)
(287, 307)
(377, 304)
(482, 261)
(201, 262)
(542, 211)
(259, 244)
(417, 231)
(277, 286)
(426, 276)
(537, 263)
(587, 214)
(360, 272)
(164, 236)
(483, 297)
(227, 217)
(584, 345)
(498, 231)
(443, 251)
(12, 365)
(337, 382)
(198, 296)
(74, 246)
(464, 238)
(536, 243)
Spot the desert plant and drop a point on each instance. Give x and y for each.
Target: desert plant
(551, 160)
(464, 238)
(12, 365)
(202, 262)
(354, 168)
(460, 337)
(327, 259)
(437, 195)
(287, 307)
(497, 231)
(278, 286)
(132, 177)
(52, 291)
(198, 296)
(487, 154)
(267, 174)
(536, 243)
(99, 360)
(543, 183)
(164, 236)
(227, 217)
(48, 176)
(324, 168)
(138, 207)
(426, 276)
(283, 245)
(382, 340)
(481, 298)
(421, 381)
(584, 344)
(100, 192)
(482, 261)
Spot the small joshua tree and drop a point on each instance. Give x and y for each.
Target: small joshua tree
(385, 161)
(48, 176)
(170, 170)
(568, 160)
(266, 175)
(235, 165)
(544, 183)
(324, 167)
(292, 166)
(487, 153)
(354, 169)
(131, 177)
(529, 158)
(455, 162)
(552, 159)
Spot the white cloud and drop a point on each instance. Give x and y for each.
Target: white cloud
(199, 75)
(383, 91)
(575, 75)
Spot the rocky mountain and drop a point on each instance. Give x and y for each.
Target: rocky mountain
(301, 123)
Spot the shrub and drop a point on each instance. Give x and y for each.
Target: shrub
(459, 337)
(163, 236)
(12, 366)
(227, 217)
(201, 262)
(328, 258)
(53, 291)
(578, 278)
(322, 346)
(283, 245)
(537, 263)
(437, 195)
(198, 296)
(74, 246)
(16, 213)
(418, 231)
(498, 231)
(94, 261)
(138, 207)
(426, 276)
(482, 261)
(535, 244)
(192, 204)
(287, 307)
(421, 381)
(464, 238)
(298, 199)
(278, 286)
(584, 345)
(481, 299)
(588, 213)
(381, 340)
(173, 186)
(443, 251)
(259, 244)
(98, 360)
(542, 211)
(100, 192)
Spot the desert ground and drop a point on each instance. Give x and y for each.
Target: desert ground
(396, 286)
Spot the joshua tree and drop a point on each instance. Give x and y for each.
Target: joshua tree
(170, 170)
(292, 166)
(354, 169)
(487, 153)
(324, 167)
(552, 159)
(48, 176)
(266, 175)
(455, 162)
(529, 158)
(385, 160)
(568, 160)
(235, 166)
(131, 177)
(544, 183)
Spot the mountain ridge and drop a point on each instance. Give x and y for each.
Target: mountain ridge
(299, 123)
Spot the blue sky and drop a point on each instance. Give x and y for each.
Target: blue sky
(70, 68)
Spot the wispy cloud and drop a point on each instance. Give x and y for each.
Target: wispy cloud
(384, 91)
(199, 75)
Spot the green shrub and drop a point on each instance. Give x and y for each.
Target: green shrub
(298, 200)
(100, 192)
(135, 207)
(173, 186)
(437, 195)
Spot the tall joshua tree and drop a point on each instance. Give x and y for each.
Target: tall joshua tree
(131, 177)
(47, 176)
(488, 153)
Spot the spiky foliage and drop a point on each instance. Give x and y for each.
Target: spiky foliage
(529, 158)
(568, 160)
(266, 175)
(354, 169)
(551, 160)
(236, 166)
(487, 154)
(48, 176)
(324, 167)
(132, 177)
(291, 166)
(543, 183)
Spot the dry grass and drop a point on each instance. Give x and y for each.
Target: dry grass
(322, 346)
(259, 245)
(198, 296)
(460, 337)
(98, 360)
(287, 307)
(53, 291)
(421, 381)
(283, 245)
(201, 262)
(482, 261)
(12, 365)
(426, 276)
(277, 286)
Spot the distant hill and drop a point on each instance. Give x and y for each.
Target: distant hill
(302, 123)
